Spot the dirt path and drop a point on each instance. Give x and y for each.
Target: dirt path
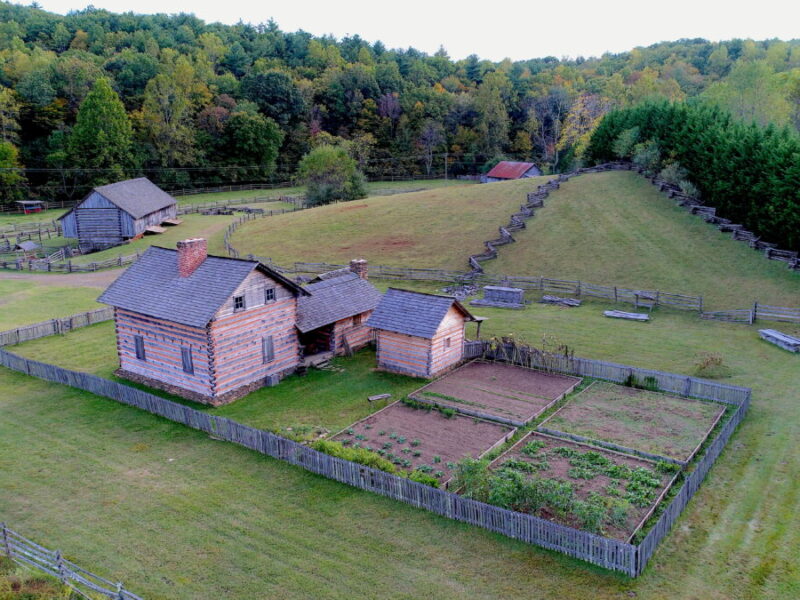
(98, 279)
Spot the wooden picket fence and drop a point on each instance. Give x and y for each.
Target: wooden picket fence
(52, 562)
(605, 552)
(55, 326)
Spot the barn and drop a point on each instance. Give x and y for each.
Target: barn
(419, 334)
(332, 320)
(111, 214)
(506, 170)
(207, 328)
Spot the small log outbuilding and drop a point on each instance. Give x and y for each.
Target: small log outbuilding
(419, 334)
(506, 170)
(206, 328)
(333, 318)
(111, 214)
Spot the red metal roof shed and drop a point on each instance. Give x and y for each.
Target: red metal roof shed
(510, 170)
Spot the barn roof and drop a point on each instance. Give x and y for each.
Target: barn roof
(507, 169)
(335, 299)
(137, 197)
(413, 313)
(151, 286)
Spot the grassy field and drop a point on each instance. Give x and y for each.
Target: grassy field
(745, 514)
(175, 514)
(46, 216)
(434, 228)
(374, 188)
(24, 303)
(616, 228)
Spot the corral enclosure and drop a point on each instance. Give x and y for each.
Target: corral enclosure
(497, 391)
(424, 440)
(645, 421)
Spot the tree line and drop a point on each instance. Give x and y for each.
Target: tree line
(751, 174)
(189, 103)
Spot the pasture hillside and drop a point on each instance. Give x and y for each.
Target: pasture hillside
(615, 228)
(433, 228)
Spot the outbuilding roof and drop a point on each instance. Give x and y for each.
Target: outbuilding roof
(137, 197)
(27, 246)
(507, 169)
(413, 313)
(335, 299)
(151, 286)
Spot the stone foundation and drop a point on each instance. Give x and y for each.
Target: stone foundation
(225, 398)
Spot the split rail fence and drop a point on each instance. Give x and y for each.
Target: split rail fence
(611, 554)
(23, 551)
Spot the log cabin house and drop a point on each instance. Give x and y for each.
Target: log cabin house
(419, 334)
(212, 329)
(111, 214)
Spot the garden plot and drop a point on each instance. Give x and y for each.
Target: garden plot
(424, 440)
(644, 421)
(583, 486)
(496, 391)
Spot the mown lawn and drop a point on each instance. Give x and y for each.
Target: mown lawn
(616, 229)
(433, 228)
(24, 303)
(256, 527)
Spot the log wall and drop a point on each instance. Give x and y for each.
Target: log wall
(404, 354)
(443, 356)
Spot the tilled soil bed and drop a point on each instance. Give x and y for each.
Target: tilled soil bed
(424, 439)
(506, 393)
(590, 471)
(651, 422)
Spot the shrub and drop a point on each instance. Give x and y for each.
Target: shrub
(532, 448)
(330, 175)
(623, 145)
(711, 365)
(648, 156)
(421, 477)
(447, 412)
(356, 455)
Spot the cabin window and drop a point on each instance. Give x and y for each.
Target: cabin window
(269, 295)
(356, 320)
(446, 343)
(268, 349)
(138, 343)
(186, 360)
(238, 303)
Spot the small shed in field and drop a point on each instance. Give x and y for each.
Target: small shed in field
(28, 249)
(506, 170)
(111, 214)
(419, 334)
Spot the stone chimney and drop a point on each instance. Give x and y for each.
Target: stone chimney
(360, 267)
(191, 254)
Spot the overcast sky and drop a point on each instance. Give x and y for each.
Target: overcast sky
(495, 30)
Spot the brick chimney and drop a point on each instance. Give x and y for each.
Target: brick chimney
(360, 267)
(191, 254)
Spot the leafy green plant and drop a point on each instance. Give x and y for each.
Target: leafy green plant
(532, 448)
(663, 466)
(393, 436)
(360, 436)
(360, 456)
(387, 445)
(406, 450)
(438, 474)
(447, 412)
(401, 440)
(425, 468)
(415, 442)
(437, 458)
(382, 432)
(416, 453)
(425, 478)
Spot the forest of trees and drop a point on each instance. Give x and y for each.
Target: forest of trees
(93, 96)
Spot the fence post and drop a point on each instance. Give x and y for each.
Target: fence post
(754, 314)
(60, 567)
(120, 592)
(6, 542)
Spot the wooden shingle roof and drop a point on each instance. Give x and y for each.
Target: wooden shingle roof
(508, 169)
(151, 286)
(137, 197)
(335, 299)
(413, 313)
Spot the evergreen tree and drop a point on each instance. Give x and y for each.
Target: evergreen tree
(102, 136)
